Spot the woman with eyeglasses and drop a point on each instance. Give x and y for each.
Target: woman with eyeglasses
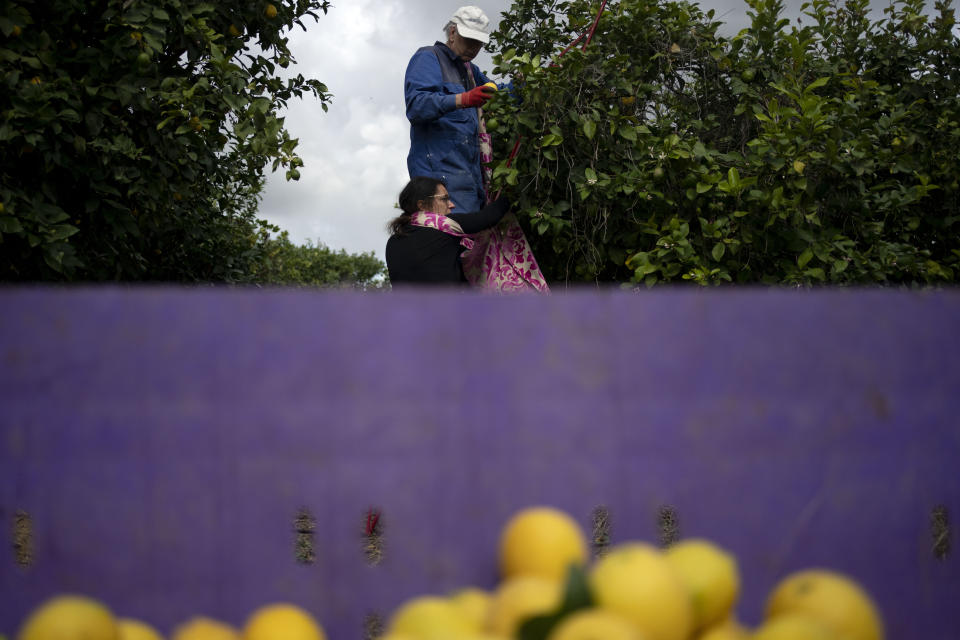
(427, 239)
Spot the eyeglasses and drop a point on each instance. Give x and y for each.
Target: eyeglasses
(442, 198)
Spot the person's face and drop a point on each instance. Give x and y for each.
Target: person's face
(440, 202)
(465, 48)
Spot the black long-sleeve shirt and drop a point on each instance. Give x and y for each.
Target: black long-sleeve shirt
(429, 256)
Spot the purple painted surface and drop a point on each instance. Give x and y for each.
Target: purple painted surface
(162, 440)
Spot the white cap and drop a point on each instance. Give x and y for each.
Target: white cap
(472, 23)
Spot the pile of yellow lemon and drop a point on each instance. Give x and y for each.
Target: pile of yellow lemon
(71, 617)
(636, 591)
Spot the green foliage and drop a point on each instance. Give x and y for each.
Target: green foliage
(576, 597)
(287, 264)
(665, 152)
(134, 135)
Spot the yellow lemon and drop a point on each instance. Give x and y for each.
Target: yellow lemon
(794, 627)
(282, 622)
(70, 617)
(429, 618)
(635, 580)
(474, 605)
(729, 629)
(270, 11)
(201, 628)
(520, 598)
(492, 85)
(831, 597)
(711, 577)
(541, 541)
(131, 629)
(594, 624)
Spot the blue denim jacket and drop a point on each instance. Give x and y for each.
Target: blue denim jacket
(443, 138)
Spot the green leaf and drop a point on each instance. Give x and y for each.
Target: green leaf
(804, 258)
(733, 177)
(628, 133)
(589, 128)
(9, 224)
(703, 187)
(816, 84)
(718, 250)
(576, 596)
(590, 174)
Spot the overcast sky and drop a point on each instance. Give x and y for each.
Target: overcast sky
(355, 154)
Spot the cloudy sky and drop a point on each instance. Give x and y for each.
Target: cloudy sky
(355, 154)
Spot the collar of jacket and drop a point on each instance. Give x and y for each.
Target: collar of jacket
(448, 51)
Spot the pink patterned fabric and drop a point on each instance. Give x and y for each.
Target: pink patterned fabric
(500, 258)
(497, 259)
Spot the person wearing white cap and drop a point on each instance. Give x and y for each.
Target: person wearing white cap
(444, 92)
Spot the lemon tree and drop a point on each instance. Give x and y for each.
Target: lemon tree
(134, 136)
(826, 151)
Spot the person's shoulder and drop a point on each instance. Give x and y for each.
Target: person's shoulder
(432, 50)
(424, 57)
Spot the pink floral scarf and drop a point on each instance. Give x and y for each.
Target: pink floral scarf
(497, 259)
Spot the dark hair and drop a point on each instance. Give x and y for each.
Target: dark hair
(419, 188)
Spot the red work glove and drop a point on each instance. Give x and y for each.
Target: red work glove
(476, 96)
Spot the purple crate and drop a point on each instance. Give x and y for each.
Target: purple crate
(162, 440)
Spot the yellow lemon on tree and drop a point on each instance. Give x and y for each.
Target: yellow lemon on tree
(474, 605)
(282, 622)
(636, 580)
(541, 541)
(520, 598)
(835, 599)
(70, 617)
(131, 629)
(794, 627)
(429, 618)
(270, 11)
(201, 628)
(594, 624)
(492, 85)
(711, 577)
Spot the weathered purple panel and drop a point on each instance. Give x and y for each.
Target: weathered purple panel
(162, 440)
